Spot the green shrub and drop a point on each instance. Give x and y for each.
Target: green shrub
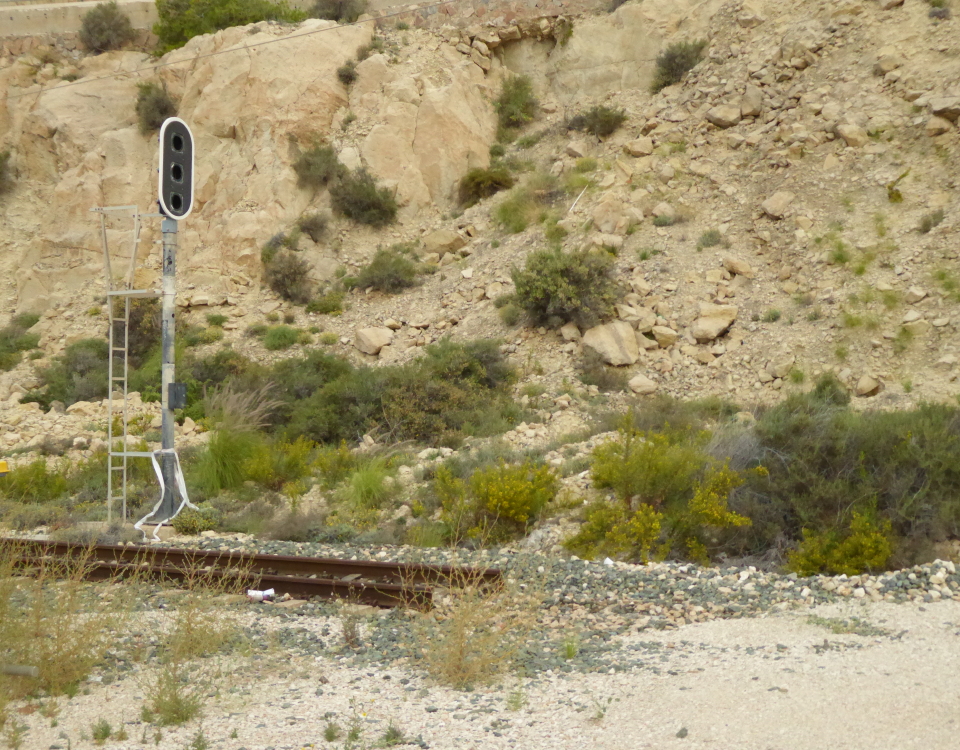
(671, 493)
(347, 73)
(280, 337)
(190, 522)
(366, 487)
(14, 339)
(480, 183)
(330, 303)
(289, 276)
(510, 314)
(314, 226)
(390, 271)
(154, 105)
(560, 287)
(675, 61)
(181, 20)
(79, 374)
(34, 482)
(341, 11)
(710, 238)
(594, 372)
(516, 105)
(6, 173)
(600, 121)
(866, 546)
(497, 502)
(216, 319)
(357, 197)
(105, 27)
(317, 166)
(280, 465)
(931, 220)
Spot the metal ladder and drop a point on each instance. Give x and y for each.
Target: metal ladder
(119, 349)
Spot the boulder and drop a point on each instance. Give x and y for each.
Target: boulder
(443, 241)
(738, 266)
(570, 332)
(914, 295)
(641, 318)
(751, 104)
(853, 135)
(615, 343)
(372, 340)
(83, 409)
(642, 385)
(665, 209)
(665, 336)
(947, 107)
(938, 126)
(776, 205)
(724, 116)
(867, 386)
(886, 64)
(639, 147)
(713, 321)
(608, 214)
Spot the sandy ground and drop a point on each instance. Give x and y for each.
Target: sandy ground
(779, 682)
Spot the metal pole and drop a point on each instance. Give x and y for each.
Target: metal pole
(168, 307)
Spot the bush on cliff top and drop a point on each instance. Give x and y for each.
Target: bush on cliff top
(105, 27)
(181, 20)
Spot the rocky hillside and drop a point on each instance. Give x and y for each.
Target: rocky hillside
(789, 208)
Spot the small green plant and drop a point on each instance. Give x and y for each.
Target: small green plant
(560, 287)
(357, 197)
(902, 340)
(796, 376)
(154, 105)
(675, 61)
(15, 339)
(6, 173)
(393, 736)
(601, 121)
(710, 238)
(100, 731)
(313, 225)
(347, 73)
(390, 271)
(216, 319)
(852, 626)
(931, 220)
(517, 698)
(289, 276)
(332, 731)
(771, 316)
(839, 255)
(329, 338)
(571, 646)
(510, 314)
(190, 522)
(199, 742)
(317, 166)
(480, 183)
(664, 220)
(105, 27)
(280, 337)
(893, 192)
(516, 104)
(330, 303)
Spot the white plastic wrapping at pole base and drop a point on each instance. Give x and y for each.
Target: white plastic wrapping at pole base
(181, 487)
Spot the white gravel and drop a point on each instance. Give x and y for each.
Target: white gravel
(770, 683)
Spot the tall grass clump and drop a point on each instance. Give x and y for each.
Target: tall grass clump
(79, 374)
(105, 27)
(236, 417)
(154, 105)
(181, 20)
(556, 287)
(675, 61)
(357, 196)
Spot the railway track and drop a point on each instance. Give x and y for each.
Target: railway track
(381, 584)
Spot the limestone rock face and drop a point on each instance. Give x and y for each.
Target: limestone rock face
(615, 342)
(251, 116)
(372, 340)
(713, 321)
